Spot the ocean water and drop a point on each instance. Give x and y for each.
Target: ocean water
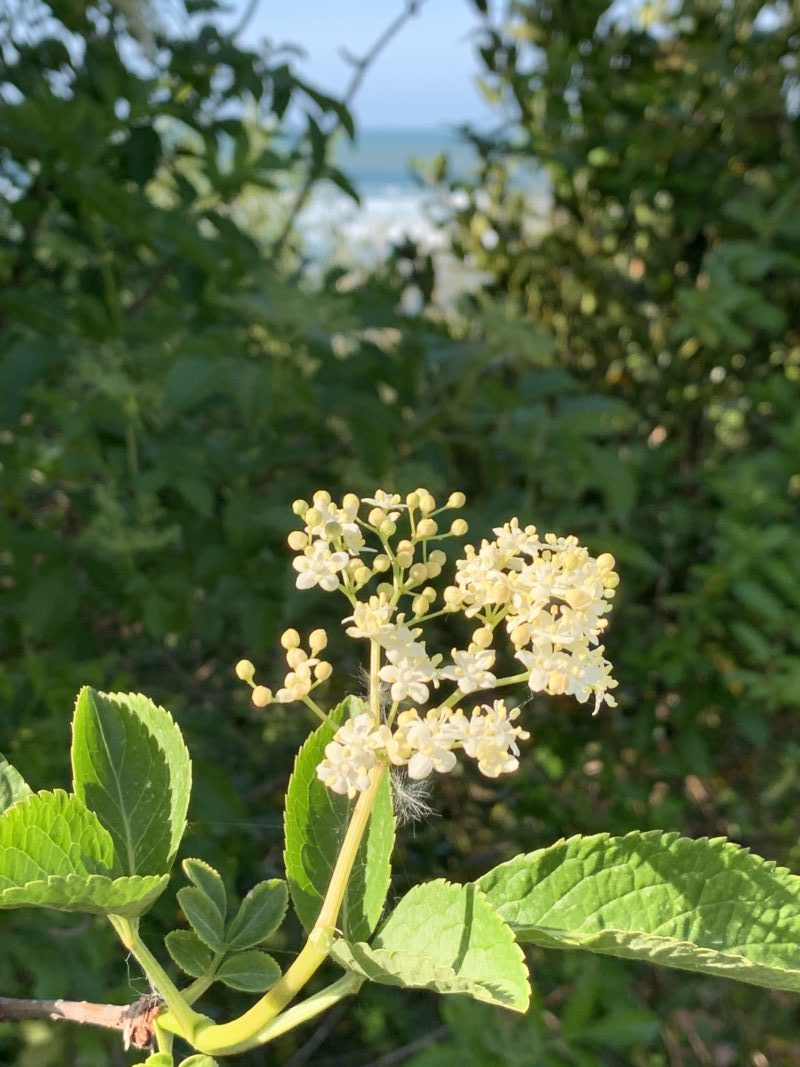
(395, 203)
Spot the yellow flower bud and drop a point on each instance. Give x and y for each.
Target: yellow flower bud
(405, 545)
(361, 574)
(296, 656)
(418, 574)
(427, 528)
(458, 527)
(482, 638)
(376, 516)
(437, 556)
(381, 563)
(456, 500)
(605, 562)
(351, 501)
(333, 530)
(412, 501)
(434, 570)
(300, 507)
(386, 588)
(297, 540)
(290, 638)
(429, 593)
(610, 581)
(245, 670)
(427, 504)
(317, 640)
(261, 696)
(323, 671)
(313, 518)
(405, 559)
(420, 605)
(321, 498)
(387, 528)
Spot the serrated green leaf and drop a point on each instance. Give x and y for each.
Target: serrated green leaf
(130, 766)
(209, 881)
(261, 913)
(251, 972)
(315, 822)
(55, 854)
(189, 953)
(12, 785)
(447, 938)
(704, 905)
(203, 917)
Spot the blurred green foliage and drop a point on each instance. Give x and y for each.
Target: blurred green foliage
(171, 379)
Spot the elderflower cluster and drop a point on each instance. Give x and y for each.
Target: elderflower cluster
(546, 594)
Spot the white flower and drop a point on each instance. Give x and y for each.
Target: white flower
(470, 670)
(319, 566)
(391, 503)
(371, 620)
(491, 739)
(398, 640)
(410, 676)
(350, 756)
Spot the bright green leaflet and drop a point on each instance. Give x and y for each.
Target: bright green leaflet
(447, 938)
(251, 972)
(704, 905)
(315, 822)
(55, 854)
(203, 917)
(131, 767)
(261, 913)
(188, 951)
(12, 785)
(209, 881)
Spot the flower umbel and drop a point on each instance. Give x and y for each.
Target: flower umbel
(545, 593)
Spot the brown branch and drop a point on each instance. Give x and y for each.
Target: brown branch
(360, 68)
(134, 1020)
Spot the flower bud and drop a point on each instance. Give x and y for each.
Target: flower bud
(412, 501)
(427, 528)
(323, 671)
(458, 527)
(376, 516)
(437, 556)
(321, 498)
(295, 656)
(297, 540)
(317, 640)
(290, 638)
(333, 530)
(482, 638)
(381, 563)
(420, 605)
(245, 670)
(427, 504)
(313, 517)
(456, 500)
(386, 588)
(388, 528)
(605, 562)
(300, 507)
(429, 593)
(418, 574)
(405, 559)
(361, 574)
(351, 501)
(261, 696)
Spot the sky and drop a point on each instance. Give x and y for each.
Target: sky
(425, 76)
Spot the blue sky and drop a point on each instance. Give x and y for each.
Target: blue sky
(425, 77)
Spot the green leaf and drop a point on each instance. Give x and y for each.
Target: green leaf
(447, 938)
(208, 881)
(203, 917)
(131, 767)
(159, 1059)
(315, 821)
(189, 953)
(260, 914)
(198, 1060)
(704, 905)
(250, 972)
(12, 785)
(54, 853)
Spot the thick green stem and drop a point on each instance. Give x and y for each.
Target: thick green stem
(185, 1019)
(248, 1030)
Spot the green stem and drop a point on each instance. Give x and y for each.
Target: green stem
(186, 1020)
(346, 986)
(246, 1032)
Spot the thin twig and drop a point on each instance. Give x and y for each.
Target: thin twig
(402, 1053)
(244, 21)
(360, 68)
(308, 1048)
(134, 1020)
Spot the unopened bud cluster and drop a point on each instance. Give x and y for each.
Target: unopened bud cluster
(546, 593)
